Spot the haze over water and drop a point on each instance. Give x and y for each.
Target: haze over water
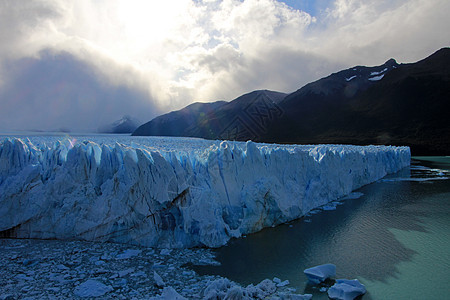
(394, 239)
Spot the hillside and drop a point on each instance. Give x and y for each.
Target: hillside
(177, 123)
(235, 120)
(398, 104)
(409, 106)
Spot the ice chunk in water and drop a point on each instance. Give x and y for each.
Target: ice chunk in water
(320, 273)
(346, 289)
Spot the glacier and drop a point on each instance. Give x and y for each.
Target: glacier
(174, 195)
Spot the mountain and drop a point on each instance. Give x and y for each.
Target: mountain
(244, 118)
(409, 105)
(125, 125)
(396, 104)
(179, 123)
(235, 120)
(321, 105)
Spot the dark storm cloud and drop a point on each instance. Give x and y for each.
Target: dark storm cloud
(58, 91)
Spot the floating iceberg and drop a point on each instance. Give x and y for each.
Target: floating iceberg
(320, 273)
(161, 197)
(345, 289)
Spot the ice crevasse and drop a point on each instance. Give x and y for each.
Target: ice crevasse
(173, 199)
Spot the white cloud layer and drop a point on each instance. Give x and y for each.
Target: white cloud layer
(141, 57)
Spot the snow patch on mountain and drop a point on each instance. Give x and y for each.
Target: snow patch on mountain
(378, 72)
(376, 78)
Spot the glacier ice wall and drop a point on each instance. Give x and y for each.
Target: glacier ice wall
(161, 198)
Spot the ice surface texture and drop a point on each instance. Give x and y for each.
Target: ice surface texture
(172, 199)
(92, 288)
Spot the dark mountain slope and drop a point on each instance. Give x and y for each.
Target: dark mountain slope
(176, 123)
(408, 106)
(238, 120)
(244, 118)
(321, 104)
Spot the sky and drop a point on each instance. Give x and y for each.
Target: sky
(79, 65)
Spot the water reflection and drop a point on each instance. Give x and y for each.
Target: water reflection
(358, 237)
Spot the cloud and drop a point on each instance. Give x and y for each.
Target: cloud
(24, 26)
(163, 55)
(57, 91)
(369, 32)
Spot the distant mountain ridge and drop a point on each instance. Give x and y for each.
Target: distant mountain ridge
(126, 124)
(179, 123)
(397, 104)
(211, 120)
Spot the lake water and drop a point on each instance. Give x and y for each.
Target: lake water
(395, 239)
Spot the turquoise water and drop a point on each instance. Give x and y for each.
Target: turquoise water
(395, 239)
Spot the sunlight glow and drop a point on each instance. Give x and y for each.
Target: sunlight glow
(146, 23)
